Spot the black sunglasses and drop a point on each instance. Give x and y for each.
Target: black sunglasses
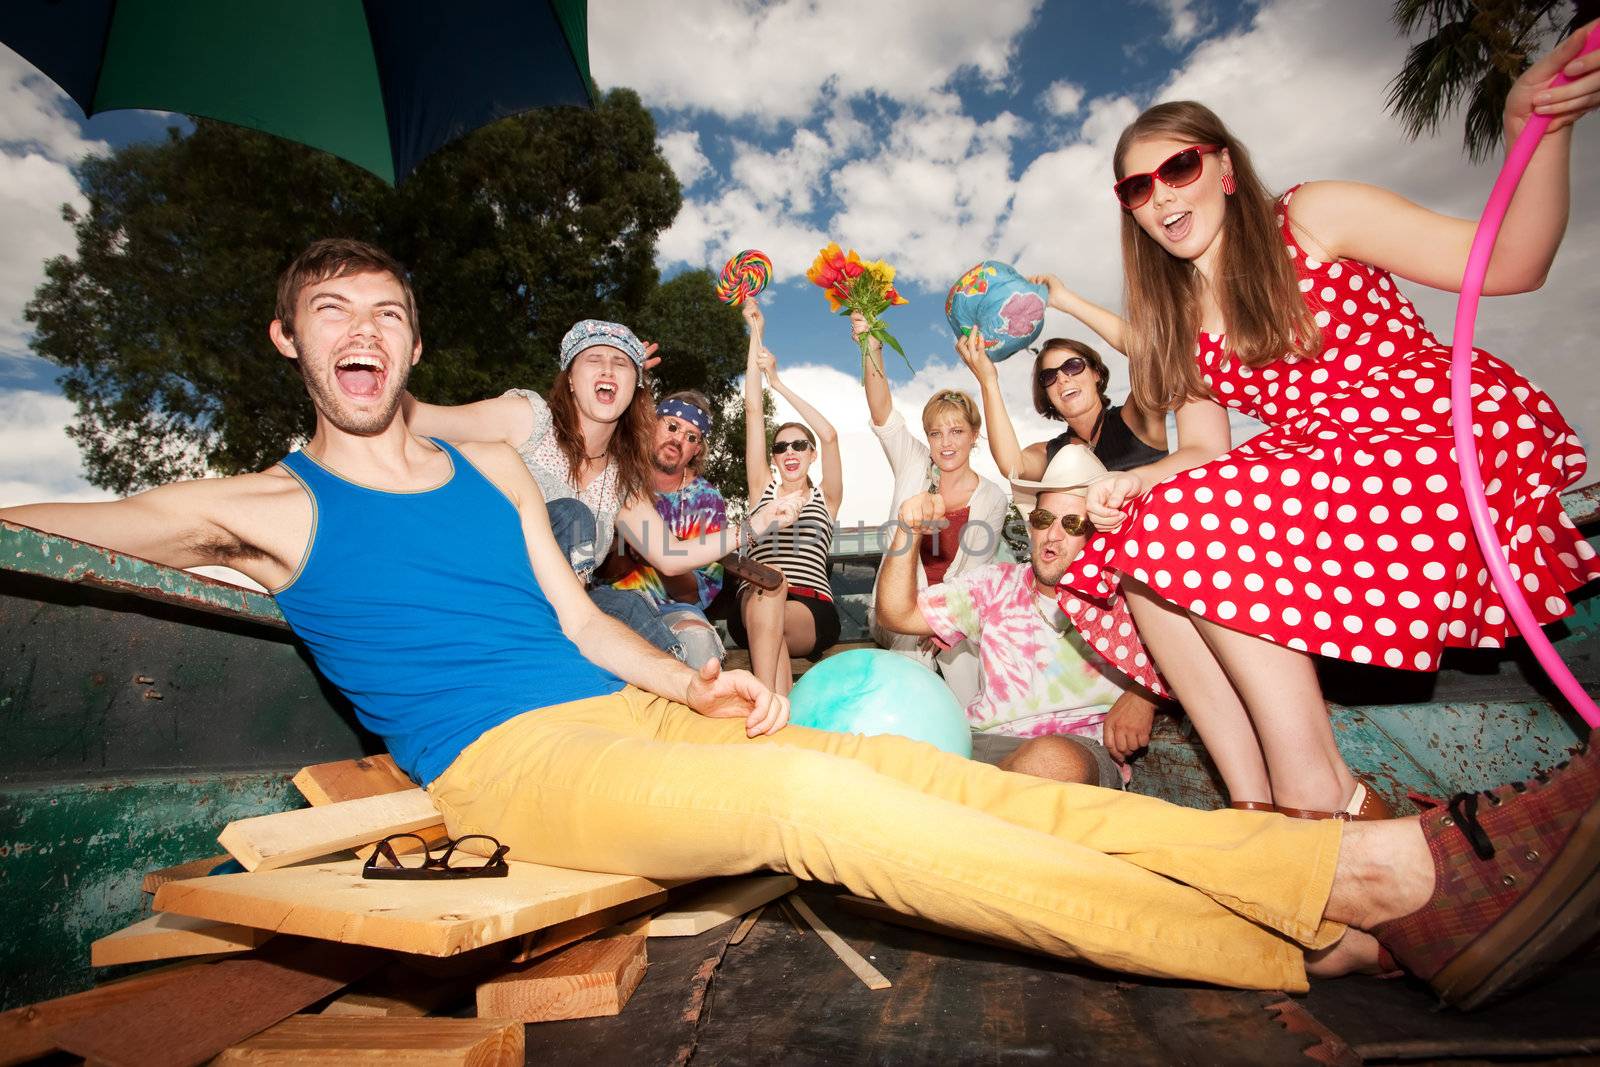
(1074, 525)
(1071, 366)
(421, 863)
(780, 447)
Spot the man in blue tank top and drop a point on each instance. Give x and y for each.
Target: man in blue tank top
(425, 581)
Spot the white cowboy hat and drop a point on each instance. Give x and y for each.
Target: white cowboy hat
(1071, 471)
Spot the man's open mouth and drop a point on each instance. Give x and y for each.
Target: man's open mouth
(360, 375)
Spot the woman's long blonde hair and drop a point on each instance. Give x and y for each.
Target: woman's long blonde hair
(1265, 314)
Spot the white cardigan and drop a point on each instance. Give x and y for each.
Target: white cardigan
(909, 460)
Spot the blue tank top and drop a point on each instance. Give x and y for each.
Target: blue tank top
(422, 608)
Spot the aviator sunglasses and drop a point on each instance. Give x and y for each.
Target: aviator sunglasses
(1071, 366)
(1177, 170)
(780, 447)
(1074, 525)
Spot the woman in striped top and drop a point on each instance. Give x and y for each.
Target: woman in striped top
(799, 618)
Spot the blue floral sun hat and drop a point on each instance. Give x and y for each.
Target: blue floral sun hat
(591, 332)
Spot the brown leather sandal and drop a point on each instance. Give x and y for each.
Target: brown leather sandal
(1365, 806)
(1251, 805)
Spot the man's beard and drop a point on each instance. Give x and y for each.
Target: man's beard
(329, 402)
(664, 467)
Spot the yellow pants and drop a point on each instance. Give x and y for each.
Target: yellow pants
(637, 784)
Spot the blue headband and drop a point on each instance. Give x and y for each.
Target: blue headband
(680, 409)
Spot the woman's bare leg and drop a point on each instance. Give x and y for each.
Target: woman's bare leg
(1279, 687)
(763, 622)
(1203, 688)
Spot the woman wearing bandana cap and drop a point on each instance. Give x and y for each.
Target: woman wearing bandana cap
(588, 446)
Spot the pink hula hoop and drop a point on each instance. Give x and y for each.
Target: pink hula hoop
(1461, 410)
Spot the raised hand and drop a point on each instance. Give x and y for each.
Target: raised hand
(1057, 289)
(776, 514)
(769, 365)
(971, 349)
(752, 315)
(650, 357)
(859, 327)
(737, 695)
(1532, 94)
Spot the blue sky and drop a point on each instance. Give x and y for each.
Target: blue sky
(932, 133)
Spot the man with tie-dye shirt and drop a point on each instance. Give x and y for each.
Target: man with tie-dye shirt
(1046, 668)
(690, 506)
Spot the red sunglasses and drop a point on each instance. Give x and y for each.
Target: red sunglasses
(1177, 170)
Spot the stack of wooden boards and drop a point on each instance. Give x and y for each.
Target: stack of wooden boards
(301, 930)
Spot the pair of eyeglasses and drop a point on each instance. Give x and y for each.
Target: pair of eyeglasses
(692, 436)
(1071, 367)
(780, 447)
(442, 861)
(1074, 525)
(1177, 170)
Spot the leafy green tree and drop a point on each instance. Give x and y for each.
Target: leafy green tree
(159, 320)
(1473, 52)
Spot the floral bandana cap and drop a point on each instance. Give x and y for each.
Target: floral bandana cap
(592, 332)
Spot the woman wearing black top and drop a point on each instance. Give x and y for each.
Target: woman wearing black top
(1069, 385)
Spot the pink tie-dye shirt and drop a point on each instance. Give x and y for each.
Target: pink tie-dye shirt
(1036, 679)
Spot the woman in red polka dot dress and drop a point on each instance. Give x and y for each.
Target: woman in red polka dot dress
(1341, 530)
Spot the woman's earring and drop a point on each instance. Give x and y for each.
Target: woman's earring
(1228, 185)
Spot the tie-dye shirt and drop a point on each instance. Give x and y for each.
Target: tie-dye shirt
(1035, 678)
(695, 509)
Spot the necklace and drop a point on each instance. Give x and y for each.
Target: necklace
(1093, 440)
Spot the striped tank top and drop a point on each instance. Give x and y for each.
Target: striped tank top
(799, 550)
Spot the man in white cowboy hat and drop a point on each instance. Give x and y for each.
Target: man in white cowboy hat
(1043, 671)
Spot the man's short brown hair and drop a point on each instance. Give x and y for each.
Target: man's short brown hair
(339, 257)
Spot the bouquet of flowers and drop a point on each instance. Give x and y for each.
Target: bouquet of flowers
(853, 285)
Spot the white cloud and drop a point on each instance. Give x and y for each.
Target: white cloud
(780, 61)
(1184, 23)
(38, 461)
(1062, 99)
(35, 114)
(682, 149)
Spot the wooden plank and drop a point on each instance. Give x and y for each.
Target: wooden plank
(721, 903)
(193, 869)
(197, 1015)
(26, 1032)
(435, 918)
(267, 842)
(166, 937)
(311, 1039)
(351, 779)
(869, 975)
(402, 991)
(746, 926)
(590, 979)
(543, 942)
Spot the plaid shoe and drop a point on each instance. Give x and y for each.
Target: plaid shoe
(1516, 884)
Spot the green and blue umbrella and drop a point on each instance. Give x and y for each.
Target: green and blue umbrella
(381, 83)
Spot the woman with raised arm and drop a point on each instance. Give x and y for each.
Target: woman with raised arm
(974, 507)
(1070, 383)
(799, 618)
(588, 447)
(1341, 530)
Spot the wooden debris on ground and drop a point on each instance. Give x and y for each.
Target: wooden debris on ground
(721, 903)
(401, 990)
(746, 926)
(543, 942)
(193, 869)
(166, 937)
(435, 918)
(869, 975)
(357, 779)
(26, 1033)
(303, 1039)
(268, 842)
(205, 1010)
(590, 978)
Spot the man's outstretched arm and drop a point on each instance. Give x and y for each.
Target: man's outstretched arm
(896, 600)
(171, 524)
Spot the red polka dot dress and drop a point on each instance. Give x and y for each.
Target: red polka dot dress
(1342, 528)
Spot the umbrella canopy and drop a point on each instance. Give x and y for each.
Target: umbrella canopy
(381, 83)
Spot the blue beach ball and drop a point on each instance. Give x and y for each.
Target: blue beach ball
(875, 691)
(1005, 306)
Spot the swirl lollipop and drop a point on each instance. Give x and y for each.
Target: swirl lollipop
(745, 275)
